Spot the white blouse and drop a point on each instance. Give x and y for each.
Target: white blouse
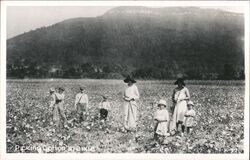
(59, 96)
(180, 95)
(81, 98)
(161, 115)
(131, 93)
(104, 105)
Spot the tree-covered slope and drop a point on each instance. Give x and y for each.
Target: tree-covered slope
(145, 42)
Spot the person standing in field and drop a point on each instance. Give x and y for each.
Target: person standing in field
(161, 118)
(52, 101)
(60, 103)
(180, 97)
(189, 117)
(131, 94)
(104, 106)
(52, 97)
(81, 104)
(57, 106)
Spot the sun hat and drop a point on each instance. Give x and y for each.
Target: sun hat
(163, 102)
(82, 87)
(104, 96)
(129, 79)
(179, 80)
(190, 103)
(61, 88)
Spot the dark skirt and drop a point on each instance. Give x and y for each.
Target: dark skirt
(103, 114)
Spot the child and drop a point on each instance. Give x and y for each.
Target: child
(189, 118)
(52, 97)
(81, 104)
(104, 106)
(161, 117)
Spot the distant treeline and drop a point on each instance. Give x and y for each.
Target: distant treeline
(117, 72)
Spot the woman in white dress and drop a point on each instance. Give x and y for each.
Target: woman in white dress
(180, 97)
(131, 94)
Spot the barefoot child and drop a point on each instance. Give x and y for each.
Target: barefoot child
(161, 117)
(189, 118)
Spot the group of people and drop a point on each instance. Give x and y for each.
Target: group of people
(183, 116)
(81, 106)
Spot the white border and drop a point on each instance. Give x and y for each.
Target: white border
(4, 155)
(246, 113)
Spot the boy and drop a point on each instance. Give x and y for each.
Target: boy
(104, 106)
(81, 104)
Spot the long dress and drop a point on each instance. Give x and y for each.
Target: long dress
(162, 127)
(130, 106)
(181, 105)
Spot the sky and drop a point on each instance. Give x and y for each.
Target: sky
(22, 19)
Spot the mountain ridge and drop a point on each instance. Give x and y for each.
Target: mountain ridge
(114, 45)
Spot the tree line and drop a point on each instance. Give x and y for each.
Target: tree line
(88, 70)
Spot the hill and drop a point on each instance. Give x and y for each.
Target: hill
(151, 43)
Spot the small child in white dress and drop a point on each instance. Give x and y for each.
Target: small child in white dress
(161, 117)
(189, 117)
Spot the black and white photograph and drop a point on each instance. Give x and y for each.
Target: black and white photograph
(125, 78)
